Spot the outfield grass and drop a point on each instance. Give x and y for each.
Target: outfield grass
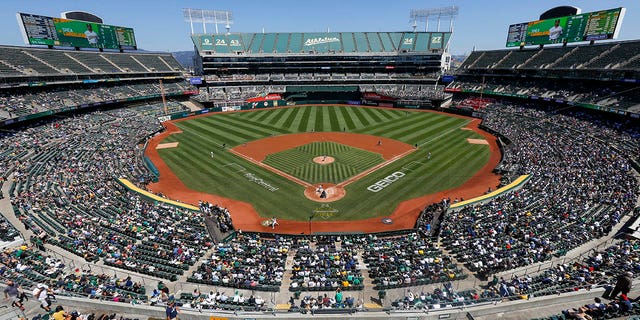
(453, 159)
(298, 162)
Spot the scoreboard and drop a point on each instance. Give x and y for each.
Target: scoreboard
(43, 30)
(600, 25)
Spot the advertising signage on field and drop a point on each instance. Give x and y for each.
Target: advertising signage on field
(600, 25)
(43, 30)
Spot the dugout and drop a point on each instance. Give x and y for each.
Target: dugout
(323, 94)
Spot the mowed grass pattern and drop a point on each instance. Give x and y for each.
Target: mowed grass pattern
(298, 162)
(453, 159)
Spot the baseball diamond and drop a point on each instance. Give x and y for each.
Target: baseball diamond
(369, 145)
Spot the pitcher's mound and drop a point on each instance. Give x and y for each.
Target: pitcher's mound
(325, 192)
(324, 160)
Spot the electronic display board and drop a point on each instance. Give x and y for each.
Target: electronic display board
(43, 30)
(599, 25)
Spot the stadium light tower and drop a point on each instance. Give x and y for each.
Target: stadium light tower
(208, 16)
(435, 14)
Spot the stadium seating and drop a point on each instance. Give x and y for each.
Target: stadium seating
(65, 63)
(488, 59)
(21, 102)
(325, 268)
(546, 58)
(20, 59)
(127, 63)
(515, 58)
(247, 261)
(87, 208)
(33, 61)
(579, 56)
(409, 260)
(102, 218)
(614, 56)
(527, 226)
(63, 189)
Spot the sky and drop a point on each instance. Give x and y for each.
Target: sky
(159, 25)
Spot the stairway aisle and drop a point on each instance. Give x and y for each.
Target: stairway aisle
(369, 295)
(282, 298)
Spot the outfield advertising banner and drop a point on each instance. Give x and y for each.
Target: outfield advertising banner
(600, 25)
(43, 30)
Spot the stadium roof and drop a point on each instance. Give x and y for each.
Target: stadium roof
(321, 42)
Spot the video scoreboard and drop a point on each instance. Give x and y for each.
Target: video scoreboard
(43, 30)
(599, 25)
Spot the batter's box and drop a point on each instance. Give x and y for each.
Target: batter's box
(236, 166)
(412, 165)
(325, 212)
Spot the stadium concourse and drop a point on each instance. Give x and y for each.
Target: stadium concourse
(552, 244)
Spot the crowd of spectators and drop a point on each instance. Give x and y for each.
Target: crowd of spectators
(325, 267)
(30, 268)
(326, 302)
(8, 232)
(235, 93)
(410, 92)
(20, 102)
(408, 260)
(621, 135)
(241, 93)
(615, 95)
(247, 261)
(591, 271)
(220, 215)
(578, 190)
(445, 297)
(616, 308)
(597, 268)
(471, 103)
(60, 313)
(220, 300)
(335, 76)
(64, 189)
(431, 217)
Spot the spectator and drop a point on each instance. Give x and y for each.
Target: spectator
(14, 292)
(171, 311)
(624, 281)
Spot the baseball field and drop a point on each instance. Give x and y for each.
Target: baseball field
(276, 160)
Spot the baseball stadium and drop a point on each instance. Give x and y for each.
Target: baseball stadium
(321, 175)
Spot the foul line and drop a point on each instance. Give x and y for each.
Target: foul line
(233, 164)
(272, 169)
(445, 133)
(205, 137)
(411, 165)
(394, 159)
